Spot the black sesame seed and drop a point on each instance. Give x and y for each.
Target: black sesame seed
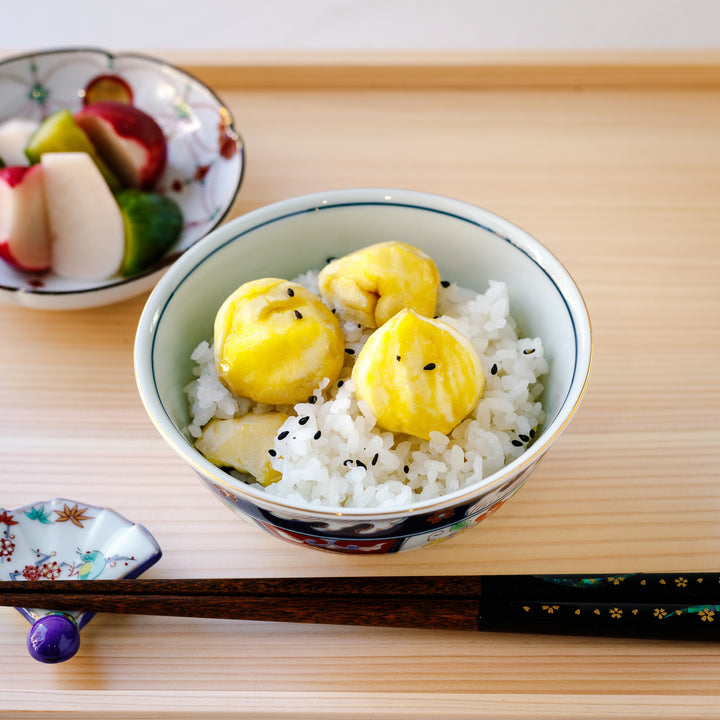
(303, 419)
(445, 283)
(375, 459)
(291, 292)
(312, 399)
(298, 315)
(329, 260)
(340, 383)
(532, 433)
(494, 369)
(283, 434)
(397, 357)
(317, 435)
(347, 462)
(361, 464)
(430, 366)
(406, 469)
(516, 443)
(349, 351)
(271, 452)
(524, 438)
(333, 311)
(528, 351)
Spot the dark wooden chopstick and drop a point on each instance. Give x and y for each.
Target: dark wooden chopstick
(685, 605)
(677, 587)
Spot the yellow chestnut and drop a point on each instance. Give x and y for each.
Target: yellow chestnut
(418, 375)
(243, 443)
(275, 341)
(373, 284)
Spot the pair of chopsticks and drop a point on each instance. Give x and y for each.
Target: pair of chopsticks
(680, 605)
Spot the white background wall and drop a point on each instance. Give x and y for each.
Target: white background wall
(360, 24)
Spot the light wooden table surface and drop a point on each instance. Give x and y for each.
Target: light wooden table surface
(623, 185)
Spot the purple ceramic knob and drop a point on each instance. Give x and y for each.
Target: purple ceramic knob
(53, 638)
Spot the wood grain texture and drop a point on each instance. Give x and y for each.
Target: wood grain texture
(452, 69)
(358, 705)
(622, 185)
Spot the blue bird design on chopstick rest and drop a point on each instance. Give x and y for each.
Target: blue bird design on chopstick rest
(94, 563)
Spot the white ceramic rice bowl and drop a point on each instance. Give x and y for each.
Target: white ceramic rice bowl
(470, 246)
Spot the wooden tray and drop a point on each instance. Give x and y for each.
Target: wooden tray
(611, 161)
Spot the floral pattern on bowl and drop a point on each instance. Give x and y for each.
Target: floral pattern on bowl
(62, 539)
(347, 535)
(205, 155)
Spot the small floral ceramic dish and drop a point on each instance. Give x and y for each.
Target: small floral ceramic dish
(205, 154)
(471, 246)
(63, 539)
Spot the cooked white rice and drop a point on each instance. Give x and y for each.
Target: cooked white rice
(339, 457)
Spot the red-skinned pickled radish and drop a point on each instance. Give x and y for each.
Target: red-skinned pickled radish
(24, 235)
(128, 139)
(107, 87)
